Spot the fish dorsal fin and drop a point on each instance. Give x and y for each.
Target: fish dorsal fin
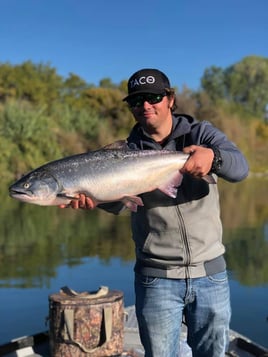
(119, 144)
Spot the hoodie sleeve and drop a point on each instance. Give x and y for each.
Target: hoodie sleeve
(112, 207)
(234, 166)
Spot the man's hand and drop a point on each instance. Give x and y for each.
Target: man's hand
(82, 201)
(199, 162)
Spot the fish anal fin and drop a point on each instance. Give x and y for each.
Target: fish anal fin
(132, 202)
(170, 187)
(170, 191)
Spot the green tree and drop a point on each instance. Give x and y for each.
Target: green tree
(115, 117)
(28, 135)
(213, 82)
(244, 83)
(35, 83)
(7, 82)
(247, 83)
(107, 83)
(72, 88)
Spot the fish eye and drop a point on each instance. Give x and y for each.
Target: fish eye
(26, 185)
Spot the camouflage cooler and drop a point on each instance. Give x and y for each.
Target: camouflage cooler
(86, 324)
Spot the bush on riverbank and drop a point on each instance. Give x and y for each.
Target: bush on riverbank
(44, 116)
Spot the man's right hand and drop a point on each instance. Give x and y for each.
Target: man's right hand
(82, 201)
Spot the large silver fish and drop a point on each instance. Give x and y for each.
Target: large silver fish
(105, 175)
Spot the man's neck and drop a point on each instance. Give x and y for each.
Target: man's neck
(162, 133)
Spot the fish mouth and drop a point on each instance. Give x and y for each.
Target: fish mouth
(19, 193)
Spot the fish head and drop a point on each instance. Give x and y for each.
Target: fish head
(37, 187)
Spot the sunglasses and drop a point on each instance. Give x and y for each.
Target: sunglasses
(138, 100)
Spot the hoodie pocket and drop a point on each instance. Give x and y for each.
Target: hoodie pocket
(166, 245)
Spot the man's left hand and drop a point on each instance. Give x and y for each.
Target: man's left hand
(200, 160)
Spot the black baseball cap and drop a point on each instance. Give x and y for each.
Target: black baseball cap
(147, 80)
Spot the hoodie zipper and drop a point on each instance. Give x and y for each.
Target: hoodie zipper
(185, 242)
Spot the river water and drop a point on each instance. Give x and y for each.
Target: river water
(45, 248)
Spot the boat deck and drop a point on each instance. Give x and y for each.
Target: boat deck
(37, 345)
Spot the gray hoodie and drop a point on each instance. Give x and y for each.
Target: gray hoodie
(182, 237)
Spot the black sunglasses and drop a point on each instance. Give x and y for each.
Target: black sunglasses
(138, 100)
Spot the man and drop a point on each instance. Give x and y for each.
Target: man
(180, 269)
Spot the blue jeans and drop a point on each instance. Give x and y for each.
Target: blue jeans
(161, 304)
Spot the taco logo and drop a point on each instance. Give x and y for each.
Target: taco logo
(141, 81)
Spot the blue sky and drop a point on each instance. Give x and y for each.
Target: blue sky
(114, 38)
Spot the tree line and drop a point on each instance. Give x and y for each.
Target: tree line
(44, 116)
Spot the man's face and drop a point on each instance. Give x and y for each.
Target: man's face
(151, 110)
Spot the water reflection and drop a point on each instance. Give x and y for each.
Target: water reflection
(35, 240)
(244, 214)
(36, 243)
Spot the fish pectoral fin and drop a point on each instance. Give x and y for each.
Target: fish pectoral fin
(132, 202)
(66, 195)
